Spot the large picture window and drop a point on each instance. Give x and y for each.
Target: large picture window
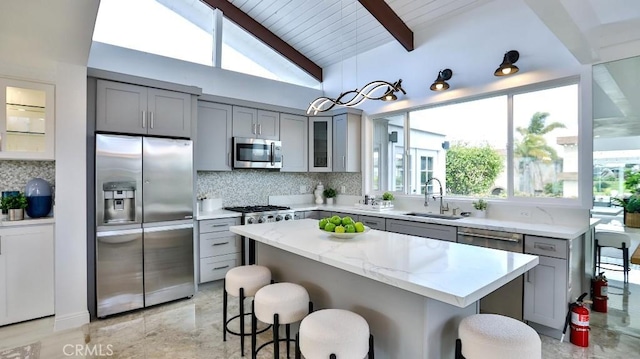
(515, 145)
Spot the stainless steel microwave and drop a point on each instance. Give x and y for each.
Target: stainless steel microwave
(256, 153)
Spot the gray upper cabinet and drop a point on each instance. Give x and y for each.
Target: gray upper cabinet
(213, 138)
(126, 108)
(320, 144)
(346, 143)
(295, 144)
(253, 123)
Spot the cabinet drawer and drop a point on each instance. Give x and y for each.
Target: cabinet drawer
(543, 246)
(373, 222)
(218, 243)
(428, 230)
(217, 225)
(214, 268)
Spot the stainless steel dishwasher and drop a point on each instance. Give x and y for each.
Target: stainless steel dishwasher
(506, 300)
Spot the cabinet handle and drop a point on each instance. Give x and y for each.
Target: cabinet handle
(370, 223)
(144, 119)
(259, 128)
(253, 128)
(220, 244)
(529, 276)
(219, 225)
(545, 247)
(223, 267)
(282, 160)
(151, 113)
(344, 162)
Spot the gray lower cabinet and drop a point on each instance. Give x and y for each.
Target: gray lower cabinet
(213, 138)
(545, 286)
(219, 248)
(373, 222)
(428, 230)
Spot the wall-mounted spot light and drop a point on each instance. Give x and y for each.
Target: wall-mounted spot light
(507, 66)
(393, 136)
(445, 145)
(440, 84)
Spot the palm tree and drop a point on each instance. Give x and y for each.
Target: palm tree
(532, 149)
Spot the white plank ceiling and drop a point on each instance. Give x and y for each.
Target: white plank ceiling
(325, 30)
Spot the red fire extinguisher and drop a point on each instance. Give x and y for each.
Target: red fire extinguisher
(578, 316)
(600, 286)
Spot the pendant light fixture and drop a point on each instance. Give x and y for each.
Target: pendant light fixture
(507, 66)
(375, 90)
(371, 91)
(440, 84)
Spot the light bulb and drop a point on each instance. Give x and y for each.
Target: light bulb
(439, 86)
(506, 70)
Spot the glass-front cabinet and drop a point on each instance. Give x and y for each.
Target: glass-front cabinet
(26, 124)
(320, 144)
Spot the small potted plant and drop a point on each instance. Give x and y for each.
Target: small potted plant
(15, 206)
(481, 208)
(387, 197)
(329, 194)
(631, 207)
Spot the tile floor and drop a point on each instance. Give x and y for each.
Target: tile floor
(191, 329)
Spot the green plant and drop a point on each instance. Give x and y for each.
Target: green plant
(631, 180)
(329, 193)
(630, 205)
(18, 201)
(480, 205)
(387, 196)
(486, 162)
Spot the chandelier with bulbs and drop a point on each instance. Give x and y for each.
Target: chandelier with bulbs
(371, 91)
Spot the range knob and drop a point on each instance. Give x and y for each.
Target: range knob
(288, 217)
(250, 220)
(261, 220)
(278, 218)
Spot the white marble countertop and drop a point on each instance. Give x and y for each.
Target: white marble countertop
(453, 273)
(27, 222)
(218, 213)
(537, 229)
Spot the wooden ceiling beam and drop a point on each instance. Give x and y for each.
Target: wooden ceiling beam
(391, 21)
(246, 22)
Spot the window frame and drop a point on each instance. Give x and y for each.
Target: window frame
(584, 142)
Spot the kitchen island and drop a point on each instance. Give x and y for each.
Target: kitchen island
(413, 291)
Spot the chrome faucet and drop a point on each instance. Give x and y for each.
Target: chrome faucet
(441, 195)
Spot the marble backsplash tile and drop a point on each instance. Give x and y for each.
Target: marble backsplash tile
(253, 187)
(14, 175)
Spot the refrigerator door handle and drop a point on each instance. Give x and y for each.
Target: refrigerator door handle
(118, 232)
(167, 228)
(144, 119)
(273, 153)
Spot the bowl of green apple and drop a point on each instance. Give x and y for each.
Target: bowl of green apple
(343, 228)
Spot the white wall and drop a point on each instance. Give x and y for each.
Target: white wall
(212, 80)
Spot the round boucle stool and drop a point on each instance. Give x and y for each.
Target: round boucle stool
(334, 333)
(242, 282)
(489, 336)
(279, 303)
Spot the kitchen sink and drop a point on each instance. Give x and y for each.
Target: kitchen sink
(433, 215)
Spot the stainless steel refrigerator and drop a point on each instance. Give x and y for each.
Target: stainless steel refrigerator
(144, 222)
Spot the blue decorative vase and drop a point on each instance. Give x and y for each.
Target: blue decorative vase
(38, 193)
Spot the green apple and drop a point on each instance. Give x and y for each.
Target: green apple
(350, 228)
(330, 227)
(339, 229)
(336, 220)
(323, 222)
(359, 227)
(346, 220)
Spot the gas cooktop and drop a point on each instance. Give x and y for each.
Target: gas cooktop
(257, 209)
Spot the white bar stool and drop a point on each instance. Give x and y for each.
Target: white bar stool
(334, 334)
(490, 336)
(279, 303)
(242, 282)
